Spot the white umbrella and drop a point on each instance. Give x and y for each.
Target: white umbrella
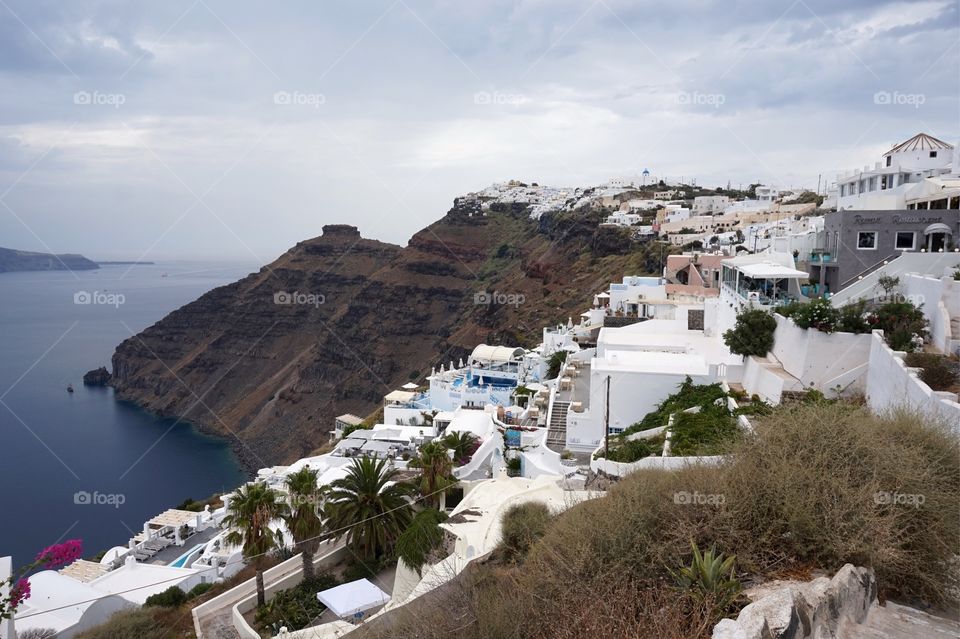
(410, 386)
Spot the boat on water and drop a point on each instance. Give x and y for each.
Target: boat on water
(69, 388)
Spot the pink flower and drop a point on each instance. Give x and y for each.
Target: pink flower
(19, 593)
(60, 554)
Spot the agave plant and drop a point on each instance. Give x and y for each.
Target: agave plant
(711, 576)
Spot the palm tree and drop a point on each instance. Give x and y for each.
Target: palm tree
(303, 520)
(249, 514)
(436, 472)
(462, 443)
(369, 507)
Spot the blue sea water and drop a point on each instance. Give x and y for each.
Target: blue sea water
(81, 464)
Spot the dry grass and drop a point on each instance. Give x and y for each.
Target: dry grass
(799, 495)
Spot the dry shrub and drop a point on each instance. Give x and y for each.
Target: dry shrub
(830, 484)
(800, 493)
(523, 524)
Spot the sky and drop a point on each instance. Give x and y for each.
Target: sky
(229, 129)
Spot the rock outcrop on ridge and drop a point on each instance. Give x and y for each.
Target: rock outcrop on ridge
(338, 321)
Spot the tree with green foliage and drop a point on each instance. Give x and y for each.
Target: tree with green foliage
(556, 363)
(303, 518)
(369, 507)
(421, 537)
(752, 334)
(250, 512)
(463, 444)
(436, 472)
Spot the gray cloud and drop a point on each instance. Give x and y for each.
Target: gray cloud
(383, 129)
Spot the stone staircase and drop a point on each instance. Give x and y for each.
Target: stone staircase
(894, 621)
(557, 434)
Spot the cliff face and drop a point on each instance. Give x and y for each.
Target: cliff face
(338, 321)
(14, 260)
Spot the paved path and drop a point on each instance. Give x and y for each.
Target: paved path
(221, 627)
(894, 621)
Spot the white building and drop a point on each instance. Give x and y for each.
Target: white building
(623, 218)
(644, 362)
(885, 185)
(710, 204)
(490, 377)
(768, 194)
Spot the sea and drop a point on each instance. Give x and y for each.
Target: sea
(83, 465)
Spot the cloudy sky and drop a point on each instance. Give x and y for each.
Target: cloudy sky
(233, 129)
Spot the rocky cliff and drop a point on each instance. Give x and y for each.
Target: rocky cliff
(339, 321)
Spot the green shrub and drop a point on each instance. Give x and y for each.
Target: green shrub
(939, 372)
(709, 432)
(689, 395)
(853, 318)
(171, 597)
(629, 451)
(901, 322)
(752, 334)
(199, 589)
(711, 577)
(522, 525)
(818, 314)
(297, 607)
(420, 538)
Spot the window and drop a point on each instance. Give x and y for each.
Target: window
(905, 239)
(933, 154)
(867, 240)
(889, 159)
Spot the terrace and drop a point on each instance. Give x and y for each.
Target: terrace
(767, 282)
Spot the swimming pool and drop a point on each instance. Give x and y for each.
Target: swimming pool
(182, 559)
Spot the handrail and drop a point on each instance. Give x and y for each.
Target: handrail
(869, 269)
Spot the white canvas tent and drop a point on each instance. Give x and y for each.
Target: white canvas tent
(348, 599)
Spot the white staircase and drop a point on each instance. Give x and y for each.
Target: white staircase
(923, 263)
(557, 433)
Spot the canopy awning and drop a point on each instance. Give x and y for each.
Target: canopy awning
(399, 397)
(771, 271)
(939, 227)
(495, 354)
(353, 597)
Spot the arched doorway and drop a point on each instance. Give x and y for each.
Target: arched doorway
(937, 237)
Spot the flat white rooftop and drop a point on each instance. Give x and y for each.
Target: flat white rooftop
(651, 362)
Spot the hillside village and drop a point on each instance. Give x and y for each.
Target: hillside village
(768, 299)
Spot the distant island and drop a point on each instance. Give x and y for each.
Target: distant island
(13, 260)
(122, 263)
